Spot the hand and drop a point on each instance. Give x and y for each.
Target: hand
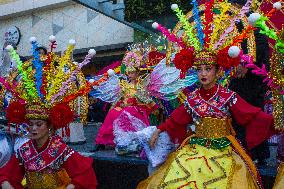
(154, 138)
(70, 186)
(6, 185)
(241, 71)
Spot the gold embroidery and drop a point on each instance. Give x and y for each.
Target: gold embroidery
(176, 159)
(214, 128)
(189, 164)
(55, 180)
(225, 174)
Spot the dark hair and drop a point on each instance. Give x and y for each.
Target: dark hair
(217, 66)
(42, 48)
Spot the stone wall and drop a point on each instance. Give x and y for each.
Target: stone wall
(89, 28)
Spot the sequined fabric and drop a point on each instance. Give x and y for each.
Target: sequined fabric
(214, 128)
(47, 180)
(201, 168)
(44, 168)
(215, 107)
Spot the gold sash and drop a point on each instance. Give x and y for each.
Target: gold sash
(209, 127)
(56, 180)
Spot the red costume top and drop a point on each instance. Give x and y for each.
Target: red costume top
(54, 165)
(219, 102)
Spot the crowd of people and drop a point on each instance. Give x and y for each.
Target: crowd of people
(215, 135)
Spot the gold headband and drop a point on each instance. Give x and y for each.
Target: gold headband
(205, 57)
(36, 111)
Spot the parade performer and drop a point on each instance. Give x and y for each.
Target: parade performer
(270, 23)
(127, 102)
(132, 96)
(212, 157)
(41, 99)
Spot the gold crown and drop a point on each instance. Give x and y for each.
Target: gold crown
(131, 69)
(205, 57)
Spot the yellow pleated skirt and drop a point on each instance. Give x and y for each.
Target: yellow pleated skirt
(279, 180)
(198, 167)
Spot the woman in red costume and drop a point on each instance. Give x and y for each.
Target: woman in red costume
(45, 160)
(211, 157)
(40, 99)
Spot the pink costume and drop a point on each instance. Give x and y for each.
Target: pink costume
(129, 107)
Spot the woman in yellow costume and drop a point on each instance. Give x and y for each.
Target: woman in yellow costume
(212, 157)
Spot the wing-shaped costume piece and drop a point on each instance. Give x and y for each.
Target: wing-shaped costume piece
(6, 149)
(107, 91)
(165, 83)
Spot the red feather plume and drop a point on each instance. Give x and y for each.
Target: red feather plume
(225, 61)
(15, 112)
(184, 60)
(61, 115)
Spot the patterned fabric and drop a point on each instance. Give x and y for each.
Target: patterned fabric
(216, 106)
(215, 167)
(51, 158)
(55, 180)
(198, 167)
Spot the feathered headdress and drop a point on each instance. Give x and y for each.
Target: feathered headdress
(208, 34)
(212, 37)
(46, 86)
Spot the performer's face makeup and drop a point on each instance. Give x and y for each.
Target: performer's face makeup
(207, 75)
(38, 129)
(132, 75)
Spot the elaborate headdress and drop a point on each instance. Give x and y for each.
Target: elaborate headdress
(208, 34)
(141, 56)
(46, 86)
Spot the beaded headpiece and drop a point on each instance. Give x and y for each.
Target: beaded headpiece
(47, 85)
(205, 57)
(36, 111)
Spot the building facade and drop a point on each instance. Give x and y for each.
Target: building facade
(66, 20)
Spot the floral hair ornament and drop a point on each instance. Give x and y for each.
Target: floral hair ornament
(141, 56)
(41, 92)
(132, 61)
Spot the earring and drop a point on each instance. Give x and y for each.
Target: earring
(49, 132)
